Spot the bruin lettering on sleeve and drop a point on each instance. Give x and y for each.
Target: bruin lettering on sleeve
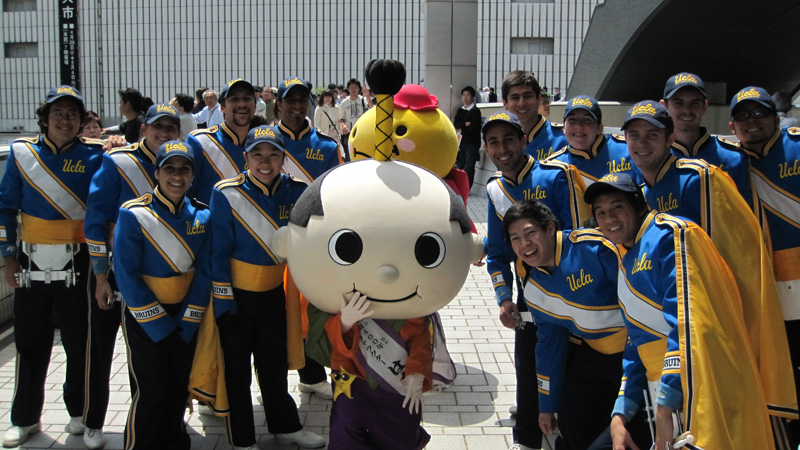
(222, 291)
(672, 363)
(544, 384)
(193, 314)
(148, 314)
(96, 248)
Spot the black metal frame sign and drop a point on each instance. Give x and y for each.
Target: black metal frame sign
(68, 32)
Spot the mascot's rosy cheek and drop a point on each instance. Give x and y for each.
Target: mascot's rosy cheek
(406, 145)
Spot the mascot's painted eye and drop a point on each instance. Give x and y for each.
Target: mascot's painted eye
(401, 130)
(345, 247)
(429, 250)
(353, 133)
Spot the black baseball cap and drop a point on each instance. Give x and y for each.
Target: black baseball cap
(682, 80)
(173, 148)
(620, 181)
(63, 91)
(231, 84)
(292, 83)
(650, 111)
(502, 117)
(753, 94)
(156, 112)
(586, 103)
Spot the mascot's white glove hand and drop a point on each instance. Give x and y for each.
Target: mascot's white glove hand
(413, 383)
(354, 310)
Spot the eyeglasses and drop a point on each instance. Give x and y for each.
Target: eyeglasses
(755, 114)
(58, 115)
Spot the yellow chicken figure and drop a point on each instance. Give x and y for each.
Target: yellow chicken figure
(423, 135)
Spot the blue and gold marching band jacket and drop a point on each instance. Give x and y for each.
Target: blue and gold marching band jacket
(544, 139)
(706, 195)
(126, 173)
(218, 155)
(609, 154)
(578, 297)
(687, 335)
(776, 179)
(554, 183)
(49, 187)
(246, 214)
(167, 255)
(721, 153)
(308, 154)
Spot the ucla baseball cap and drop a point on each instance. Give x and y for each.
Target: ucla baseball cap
(651, 111)
(173, 148)
(264, 134)
(753, 94)
(620, 181)
(63, 91)
(502, 117)
(291, 83)
(233, 83)
(682, 80)
(586, 103)
(156, 112)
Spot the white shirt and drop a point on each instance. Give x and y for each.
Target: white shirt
(210, 117)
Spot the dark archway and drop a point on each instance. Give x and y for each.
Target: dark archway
(632, 47)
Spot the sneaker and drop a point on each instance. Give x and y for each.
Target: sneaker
(518, 446)
(322, 389)
(15, 436)
(303, 439)
(513, 410)
(93, 438)
(75, 425)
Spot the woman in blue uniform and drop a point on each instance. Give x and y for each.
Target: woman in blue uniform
(249, 299)
(570, 287)
(162, 247)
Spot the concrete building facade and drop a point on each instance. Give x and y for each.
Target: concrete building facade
(164, 47)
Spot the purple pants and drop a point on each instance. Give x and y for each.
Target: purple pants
(374, 420)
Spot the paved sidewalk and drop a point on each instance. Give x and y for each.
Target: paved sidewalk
(470, 415)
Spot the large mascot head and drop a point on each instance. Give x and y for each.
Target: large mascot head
(391, 230)
(422, 133)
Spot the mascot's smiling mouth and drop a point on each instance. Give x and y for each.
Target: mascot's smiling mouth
(415, 293)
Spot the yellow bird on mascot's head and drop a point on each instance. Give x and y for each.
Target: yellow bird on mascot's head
(422, 135)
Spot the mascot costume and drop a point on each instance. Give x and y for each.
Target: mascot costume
(421, 134)
(377, 247)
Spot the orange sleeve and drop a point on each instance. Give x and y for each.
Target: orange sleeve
(345, 347)
(417, 334)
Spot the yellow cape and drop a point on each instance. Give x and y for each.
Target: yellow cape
(724, 404)
(736, 233)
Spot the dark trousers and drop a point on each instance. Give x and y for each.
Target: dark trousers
(103, 327)
(793, 334)
(638, 429)
(259, 329)
(313, 372)
(346, 147)
(33, 336)
(591, 386)
(526, 428)
(468, 155)
(160, 372)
